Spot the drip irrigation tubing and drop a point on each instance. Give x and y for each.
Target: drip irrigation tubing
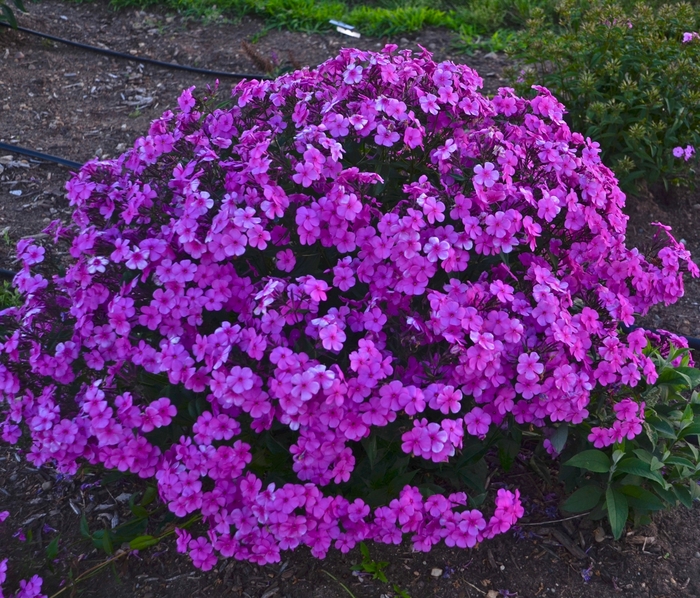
(39, 156)
(115, 54)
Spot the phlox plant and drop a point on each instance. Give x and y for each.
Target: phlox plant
(303, 310)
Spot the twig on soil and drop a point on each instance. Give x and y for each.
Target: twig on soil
(471, 585)
(90, 572)
(555, 520)
(342, 585)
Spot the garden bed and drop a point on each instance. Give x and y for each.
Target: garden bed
(77, 105)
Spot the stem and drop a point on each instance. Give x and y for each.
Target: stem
(342, 585)
(548, 522)
(93, 570)
(87, 574)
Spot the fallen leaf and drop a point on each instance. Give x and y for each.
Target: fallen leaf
(648, 540)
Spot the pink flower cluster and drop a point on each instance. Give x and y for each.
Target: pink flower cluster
(686, 152)
(630, 419)
(366, 244)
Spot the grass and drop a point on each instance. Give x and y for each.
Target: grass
(375, 18)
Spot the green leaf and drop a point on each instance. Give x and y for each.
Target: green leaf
(691, 430)
(9, 16)
(662, 427)
(107, 542)
(141, 542)
(584, 499)
(641, 499)
(508, 450)
(635, 466)
(683, 495)
(149, 496)
(645, 456)
(618, 509)
(20, 5)
(130, 530)
(558, 439)
(84, 529)
(365, 551)
(52, 549)
(682, 461)
(694, 489)
(692, 375)
(655, 464)
(370, 446)
(592, 460)
(681, 376)
(667, 495)
(139, 511)
(427, 490)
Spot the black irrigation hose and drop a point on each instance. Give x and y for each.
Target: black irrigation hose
(39, 156)
(169, 65)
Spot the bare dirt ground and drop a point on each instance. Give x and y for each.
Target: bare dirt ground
(76, 105)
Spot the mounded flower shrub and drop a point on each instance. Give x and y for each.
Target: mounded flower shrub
(346, 274)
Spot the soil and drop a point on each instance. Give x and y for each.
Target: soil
(76, 105)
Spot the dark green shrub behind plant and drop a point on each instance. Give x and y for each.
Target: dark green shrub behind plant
(628, 80)
(7, 15)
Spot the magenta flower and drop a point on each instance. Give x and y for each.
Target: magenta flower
(477, 422)
(413, 137)
(202, 554)
(600, 437)
(353, 74)
(3, 571)
(486, 175)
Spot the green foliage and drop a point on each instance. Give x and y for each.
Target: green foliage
(468, 40)
(9, 297)
(133, 531)
(370, 566)
(7, 15)
(658, 469)
(376, 569)
(380, 22)
(626, 79)
(379, 18)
